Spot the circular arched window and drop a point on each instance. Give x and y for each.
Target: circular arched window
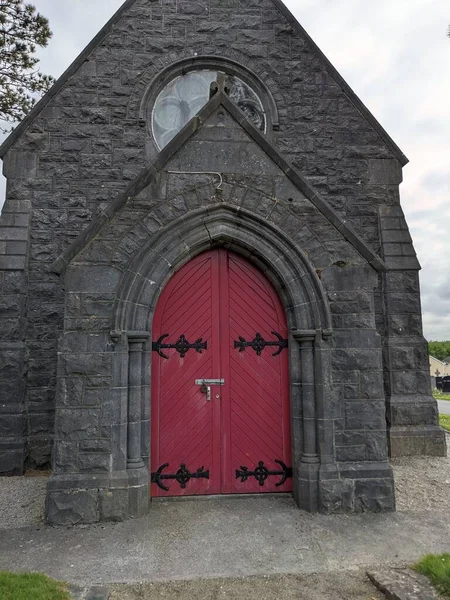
(186, 95)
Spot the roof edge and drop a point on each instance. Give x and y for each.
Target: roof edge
(439, 361)
(150, 172)
(359, 104)
(76, 64)
(145, 177)
(309, 191)
(60, 82)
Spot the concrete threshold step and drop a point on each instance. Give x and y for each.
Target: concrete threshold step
(88, 593)
(403, 584)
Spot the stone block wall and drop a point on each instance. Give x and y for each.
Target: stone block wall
(92, 137)
(136, 244)
(15, 416)
(412, 413)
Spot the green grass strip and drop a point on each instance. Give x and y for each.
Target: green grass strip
(31, 586)
(441, 396)
(437, 569)
(444, 421)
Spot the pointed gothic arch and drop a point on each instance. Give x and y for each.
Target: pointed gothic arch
(284, 263)
(308, 315)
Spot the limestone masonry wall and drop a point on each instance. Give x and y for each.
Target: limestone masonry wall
(93, 137)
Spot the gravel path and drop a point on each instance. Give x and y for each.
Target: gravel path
(22, 501)
(330, 586)
(423, 483)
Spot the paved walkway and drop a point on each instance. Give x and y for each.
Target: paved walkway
(227, 537)
(343, 585)
(444, 407)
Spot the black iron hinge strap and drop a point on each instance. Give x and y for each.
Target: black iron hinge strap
(259, 343)
(261, 473)
(183, 476)
(182, 346)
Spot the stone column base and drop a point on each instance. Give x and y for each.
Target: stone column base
(413, 426)
(306, 486)
(422, 440)
(74, 499)
(12, 457)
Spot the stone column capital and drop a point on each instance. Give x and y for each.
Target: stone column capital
(303, 336)
(137, 338)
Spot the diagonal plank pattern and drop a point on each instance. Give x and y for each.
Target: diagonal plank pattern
(219, 297)
(182, 420)
(259, 397)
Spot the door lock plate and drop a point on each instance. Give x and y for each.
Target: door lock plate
(205, 386)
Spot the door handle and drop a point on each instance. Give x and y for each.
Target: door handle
(205, 386)
(206, 389)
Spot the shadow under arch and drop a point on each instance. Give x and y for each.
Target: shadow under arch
(309, 320)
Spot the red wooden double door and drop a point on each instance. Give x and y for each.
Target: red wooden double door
(220, 393)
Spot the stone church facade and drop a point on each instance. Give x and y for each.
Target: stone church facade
(190, 127)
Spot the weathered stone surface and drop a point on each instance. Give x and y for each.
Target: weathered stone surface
(337, 496)
(113, 504)
(73, 507)
(403, 584)
(374, 495)
(88, 593)
(12, 458)
(78, 166)
(427, 440)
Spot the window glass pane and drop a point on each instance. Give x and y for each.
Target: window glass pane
(186, 95)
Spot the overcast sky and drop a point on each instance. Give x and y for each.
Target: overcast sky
(396, 57)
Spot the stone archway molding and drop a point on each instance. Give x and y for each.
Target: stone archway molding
(284, 263)
(309, 320)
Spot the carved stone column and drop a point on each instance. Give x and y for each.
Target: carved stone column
(309, 399)
(136, 344)
(308, 469)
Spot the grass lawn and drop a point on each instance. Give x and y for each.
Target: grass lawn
(437, 569)
(441, 396)
(31, 586)
(444, 421)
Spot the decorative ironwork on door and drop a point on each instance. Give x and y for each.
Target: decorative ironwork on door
(182, 346)
(261, 473)
(259, 343)
(183, 476)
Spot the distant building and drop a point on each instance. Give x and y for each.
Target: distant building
(439, 368)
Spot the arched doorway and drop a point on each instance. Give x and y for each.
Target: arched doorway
(220, 382)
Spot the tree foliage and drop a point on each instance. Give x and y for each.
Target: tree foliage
(439, 350)
(22, 30)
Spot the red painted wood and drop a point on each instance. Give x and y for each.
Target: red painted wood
(183, 423)
(219, 297)
(259, 385)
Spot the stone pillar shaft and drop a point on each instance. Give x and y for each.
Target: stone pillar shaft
(135, 349)
(309, 400)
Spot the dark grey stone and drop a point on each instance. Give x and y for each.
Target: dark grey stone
(114, 504)
(72, 507)
(337, 496)
(374, 495)
(12, 458)
(94, 226)
(403, 584)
